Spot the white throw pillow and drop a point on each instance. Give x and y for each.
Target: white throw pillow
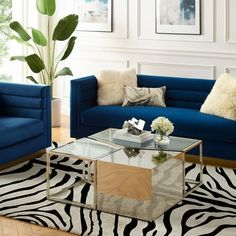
(111, 85)
(222, 99)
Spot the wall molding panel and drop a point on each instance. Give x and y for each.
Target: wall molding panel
(230, 70)
(227, 18)
(176, 69)
(179, 52)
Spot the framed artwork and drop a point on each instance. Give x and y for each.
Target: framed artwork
(178, 17)
(94, 15)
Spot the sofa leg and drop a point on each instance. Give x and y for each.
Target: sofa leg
(22, 159)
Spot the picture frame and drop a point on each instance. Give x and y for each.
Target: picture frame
(178, 17)
(94, 15)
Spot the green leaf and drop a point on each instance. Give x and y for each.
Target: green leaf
(46, 7)
(17, 58)
(38, 37)
(20, 40)
(31, 78)
(69, 47)
(65, 27)
(35, 63)
(19, 29)
(64, 71)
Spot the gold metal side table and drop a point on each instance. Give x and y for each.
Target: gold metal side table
(72, 166)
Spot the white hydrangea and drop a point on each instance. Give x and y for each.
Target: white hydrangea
(163, 125)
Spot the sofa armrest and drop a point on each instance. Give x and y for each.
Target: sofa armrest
(29, 101)
(83, 96)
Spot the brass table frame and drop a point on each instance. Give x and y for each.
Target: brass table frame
(85, 178)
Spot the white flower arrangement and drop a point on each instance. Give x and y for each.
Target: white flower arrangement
(162, 125)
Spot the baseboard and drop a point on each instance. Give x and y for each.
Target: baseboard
(212, 161)
(25, 158)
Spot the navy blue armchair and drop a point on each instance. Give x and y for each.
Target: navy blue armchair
(25, 120)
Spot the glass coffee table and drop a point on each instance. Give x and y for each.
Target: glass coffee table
(124, 179)
(177, 144)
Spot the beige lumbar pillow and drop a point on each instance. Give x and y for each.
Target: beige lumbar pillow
(144, 96)
(111, 84)
(222, 99)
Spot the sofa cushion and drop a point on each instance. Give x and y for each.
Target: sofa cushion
(222, 99)
(111, 85)
(16, 129)
(144, 96)
(187, 122)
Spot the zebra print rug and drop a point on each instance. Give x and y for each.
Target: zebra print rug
(210, 210)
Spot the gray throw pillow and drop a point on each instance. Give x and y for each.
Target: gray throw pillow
(144, 96)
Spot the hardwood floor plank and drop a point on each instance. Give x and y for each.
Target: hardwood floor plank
(35, 228)
(51, 232)
(1, 226)
(62, 134)
(24, 228)
(9, 227)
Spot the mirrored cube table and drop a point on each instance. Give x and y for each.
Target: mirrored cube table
(71, 171)
(138, 186)
(177, 144)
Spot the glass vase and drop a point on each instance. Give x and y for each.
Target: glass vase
(161, 139)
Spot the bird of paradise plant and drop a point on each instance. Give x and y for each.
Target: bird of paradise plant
(44, 61)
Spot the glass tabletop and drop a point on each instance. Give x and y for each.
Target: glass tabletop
(86, 148)
(178, 144)
(147, 159)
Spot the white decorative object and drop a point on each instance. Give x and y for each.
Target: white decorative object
(134, 126)
(162, 128)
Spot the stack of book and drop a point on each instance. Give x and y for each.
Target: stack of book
(123, 137)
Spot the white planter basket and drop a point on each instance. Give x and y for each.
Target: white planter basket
(56, 112)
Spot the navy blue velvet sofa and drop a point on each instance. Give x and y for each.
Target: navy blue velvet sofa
(25, 120)
(184, 98)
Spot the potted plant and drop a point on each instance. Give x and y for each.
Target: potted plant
(44, 59)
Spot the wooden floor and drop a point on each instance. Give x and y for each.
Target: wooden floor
(11, 227)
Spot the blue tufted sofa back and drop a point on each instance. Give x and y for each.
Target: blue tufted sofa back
(180, 92)
(23, 101)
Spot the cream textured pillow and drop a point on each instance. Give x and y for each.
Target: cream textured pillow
(222, 99)
(144, 96)
(111, 84)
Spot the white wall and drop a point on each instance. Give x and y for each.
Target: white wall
(23, 11)
(133, 42)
